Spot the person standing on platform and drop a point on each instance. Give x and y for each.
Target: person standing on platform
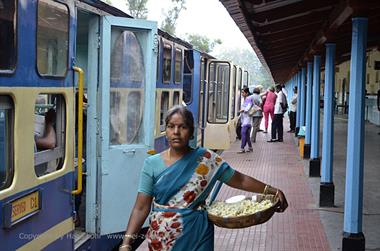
(258, 115)
(245, 121)
(277, 126)
(270, 101)
(176, 184)
(293, 111)
(238, 125)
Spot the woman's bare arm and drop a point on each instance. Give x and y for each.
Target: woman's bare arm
(247, 183)
(139, 214)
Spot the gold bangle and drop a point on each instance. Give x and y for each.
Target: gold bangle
(128, 246)
(266, 188)
(130, 236)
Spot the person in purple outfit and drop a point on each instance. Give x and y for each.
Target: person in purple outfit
(245, 122)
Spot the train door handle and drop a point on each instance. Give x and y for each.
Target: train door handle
(129, 151)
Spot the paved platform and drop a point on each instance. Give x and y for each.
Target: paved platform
(278, 164)
(304, 226)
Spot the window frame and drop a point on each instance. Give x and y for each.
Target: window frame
(10, 177)
(218, 72)
(177, 49)
(59, 151)
(12, 71)
(47, 76)
(164, 80)
(162, 112)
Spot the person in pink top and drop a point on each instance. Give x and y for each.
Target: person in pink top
(270, 100)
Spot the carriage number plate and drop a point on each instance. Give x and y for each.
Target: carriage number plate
(25, 206)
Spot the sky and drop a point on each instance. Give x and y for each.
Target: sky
(203, 17)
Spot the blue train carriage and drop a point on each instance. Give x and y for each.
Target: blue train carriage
(181, 72)
(36, 124)
(169, 82)
(44, 40)
(224, 81)
(194, 92)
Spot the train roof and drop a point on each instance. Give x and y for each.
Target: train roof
(286, 34)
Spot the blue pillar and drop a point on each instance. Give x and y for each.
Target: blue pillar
(353, 238)
(307, 145)
(326, 191)
(303, 96)
(315, 161)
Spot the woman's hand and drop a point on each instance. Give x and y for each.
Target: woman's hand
(125, 247)
(283, 202)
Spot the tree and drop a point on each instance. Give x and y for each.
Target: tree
(137, 8)
(202, 43)
(249, 61)
(172, 15)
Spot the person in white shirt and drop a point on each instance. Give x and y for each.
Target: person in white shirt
(277, 127)
(284, 91)
(293, 111)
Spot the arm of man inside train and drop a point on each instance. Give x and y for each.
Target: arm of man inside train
(247, 183)
(139, 214)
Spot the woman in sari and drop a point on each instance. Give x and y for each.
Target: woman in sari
(177, 183)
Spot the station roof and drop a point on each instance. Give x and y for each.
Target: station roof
(287, 33)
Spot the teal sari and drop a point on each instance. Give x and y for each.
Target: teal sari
(178, 221)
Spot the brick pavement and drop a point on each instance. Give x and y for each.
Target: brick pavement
(300, 227)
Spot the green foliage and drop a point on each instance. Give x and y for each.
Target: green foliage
(172, 16)
(137, 8)
(107, 2)
(202, 43)
(258, 75)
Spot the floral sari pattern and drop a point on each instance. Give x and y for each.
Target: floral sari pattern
(177, 218)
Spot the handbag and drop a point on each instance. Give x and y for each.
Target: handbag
(253, 110)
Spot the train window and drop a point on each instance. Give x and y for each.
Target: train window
(164, 109)
(240, 84)
(233, 93)
(246, 78)
(218, 93)
(52, 38)
(127, 89)
(166, 68)
(176, 98)
(8, 34)
(178, 66)
(188, 77)
(6, 141)
(49, 133)
(158, 62)
(201, 96)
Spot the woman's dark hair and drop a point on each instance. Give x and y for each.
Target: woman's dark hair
(186, 115)
(246, 90)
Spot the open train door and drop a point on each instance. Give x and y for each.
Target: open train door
(125, 108)
(217, 129)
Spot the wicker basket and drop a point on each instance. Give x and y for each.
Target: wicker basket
(247, 220)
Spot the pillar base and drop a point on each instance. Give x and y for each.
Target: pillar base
(315, 168)
(326, 194)
(306, 151)
(296, 133)
(353, 242)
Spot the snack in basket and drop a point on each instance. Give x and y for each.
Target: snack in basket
(241, 208)
(244, 213)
